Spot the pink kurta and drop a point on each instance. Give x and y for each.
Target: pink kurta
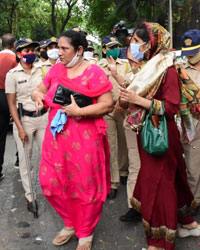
(74, 170)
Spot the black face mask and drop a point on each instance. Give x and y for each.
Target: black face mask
(43, 54)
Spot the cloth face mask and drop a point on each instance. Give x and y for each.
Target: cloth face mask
(28, 58)
(53, 54)
(113, 52)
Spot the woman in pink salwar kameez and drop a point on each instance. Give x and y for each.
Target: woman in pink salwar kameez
(74, 169)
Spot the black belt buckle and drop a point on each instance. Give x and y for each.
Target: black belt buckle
(39, 113)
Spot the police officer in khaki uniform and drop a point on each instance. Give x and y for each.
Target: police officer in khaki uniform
(51, 46)
(41, 52)
(20, 82)
(89, 53)
(191, 49)
(116, 135)
(134, 165)
(131, 140)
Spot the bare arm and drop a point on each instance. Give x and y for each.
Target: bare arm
(103, 106)
(14, 113)
(38, 95)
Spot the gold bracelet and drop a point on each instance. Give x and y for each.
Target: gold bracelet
(84, 114)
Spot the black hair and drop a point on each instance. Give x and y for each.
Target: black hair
(76, 39)
(8, 41)
(142, 32)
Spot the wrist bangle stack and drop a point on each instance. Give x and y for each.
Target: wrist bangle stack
(123, 84)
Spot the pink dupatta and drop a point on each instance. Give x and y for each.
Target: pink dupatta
(93, 83)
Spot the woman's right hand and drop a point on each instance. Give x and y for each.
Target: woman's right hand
(38, 98)
(22, 135)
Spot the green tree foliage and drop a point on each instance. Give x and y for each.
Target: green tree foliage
(38, 19)
(100, 16)
(45, 18)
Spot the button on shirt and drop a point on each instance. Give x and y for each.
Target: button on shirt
(19, 82)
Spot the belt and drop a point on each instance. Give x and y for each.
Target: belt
(34, 113)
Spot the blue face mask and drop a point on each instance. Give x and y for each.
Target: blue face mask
(135, 51)
(28, 58)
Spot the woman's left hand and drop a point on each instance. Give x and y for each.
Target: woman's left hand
(73, 109)
(128, 95)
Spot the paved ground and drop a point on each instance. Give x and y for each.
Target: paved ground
(20, 231)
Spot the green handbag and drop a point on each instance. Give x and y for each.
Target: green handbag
(155, 139)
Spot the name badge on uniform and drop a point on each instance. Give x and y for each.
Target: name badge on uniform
(22, 81)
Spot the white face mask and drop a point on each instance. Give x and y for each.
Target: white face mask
(88, 54)
(73, 61)
(53, 54)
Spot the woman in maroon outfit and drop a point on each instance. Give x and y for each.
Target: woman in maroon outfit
(161, 193)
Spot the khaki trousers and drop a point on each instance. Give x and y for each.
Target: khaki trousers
(118, 148)
(134, 162)
(192, 161)
(35, 128)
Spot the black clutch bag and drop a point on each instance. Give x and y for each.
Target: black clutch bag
(63, 97)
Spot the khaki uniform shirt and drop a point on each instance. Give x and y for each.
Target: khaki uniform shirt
(19, 82)
(39, 63)
(123, 69)
(193, 73)
(46, 66)
(91, 60)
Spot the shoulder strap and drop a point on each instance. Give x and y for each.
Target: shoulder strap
(127, 67)
(43, 72)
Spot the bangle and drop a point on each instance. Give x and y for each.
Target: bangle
(123, 84)
(84, 114)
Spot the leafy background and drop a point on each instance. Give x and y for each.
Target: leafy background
(45, 18)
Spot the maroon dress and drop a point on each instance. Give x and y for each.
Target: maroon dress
(162, 190)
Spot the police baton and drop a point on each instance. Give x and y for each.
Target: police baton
(28, 165)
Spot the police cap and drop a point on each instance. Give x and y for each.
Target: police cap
(25, 42)
(190, 42)
(110, 41)
(49, 41)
